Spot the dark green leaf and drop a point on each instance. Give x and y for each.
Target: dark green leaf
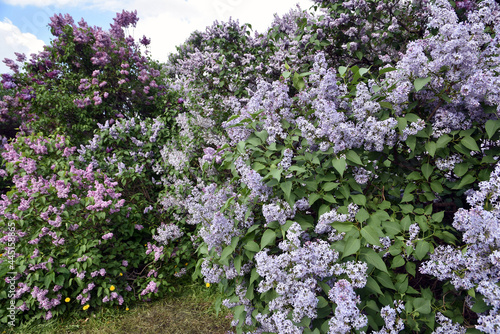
(351, 247)
(470, 143)
(353, 157)
(421, 249)
(339, 165)
(268, 238)
(492, 127)
(420, 83)
(370, 235)
(427, 170)
(371, 257)
(252, 246)
(287, 188)
(422, 305)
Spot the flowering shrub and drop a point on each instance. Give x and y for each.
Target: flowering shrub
(86, 76)
(70, 234)
(372, 162)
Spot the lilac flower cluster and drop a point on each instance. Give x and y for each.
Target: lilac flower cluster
(113, 296)
(347, 316)
(324, 221)
(217, 228)
(393, 323)
(152, 287)
(166, 233)
(252, 180)
(477, 265)
(463, 51)
(447, 326)
(286, 162)
(277, 210)
(294, 275)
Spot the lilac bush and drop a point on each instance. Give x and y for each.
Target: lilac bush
(97, 75)
(382, 140)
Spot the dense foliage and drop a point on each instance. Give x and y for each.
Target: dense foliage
(336, 174)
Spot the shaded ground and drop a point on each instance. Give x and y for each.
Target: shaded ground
(190, 313)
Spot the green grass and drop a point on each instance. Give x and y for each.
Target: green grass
(189, 311)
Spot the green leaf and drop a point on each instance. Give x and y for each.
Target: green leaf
(427, 170)
(342, 227)
(397, 262)
(298, 82)
(339, 165)
(407, 197)
(470, 143)
(226, 252)
(420, 83)
(252, 246)
(286, 74)
(268, 238)
(480, 306)
(342, 70)
(49, 279)
(422, 305)
(421, 249)
(467, 179)
(436, 187)
(313, 198)
(237, 263)
(330, 186)
(371, 257)
(373, 285)
(256, 166)
(492, 127)
(287, 188)
(431, 146)
(391, 227)
(275, 173)
(411, 141)
(253, 276)
(363, 71)
(351, 247)
(385, 280)
(370, 235)
(362, 215)
(411, 268)
(359, 199)
(460, 169)
(353, 157)
(387, 69)
(438, 217)
(443, 141)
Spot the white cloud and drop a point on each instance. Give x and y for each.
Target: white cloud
(40, 3)
(169, 23)
(13, 40)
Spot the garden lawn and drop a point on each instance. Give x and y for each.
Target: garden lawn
(189, 311)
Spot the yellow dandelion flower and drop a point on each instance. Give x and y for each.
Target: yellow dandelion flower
(126, 309)
(67, 300)
(186, 264)
(86, 307)
(121, 274)
(207, 285)
(112, 288)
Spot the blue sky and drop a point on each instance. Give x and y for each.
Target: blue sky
(24, 23)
